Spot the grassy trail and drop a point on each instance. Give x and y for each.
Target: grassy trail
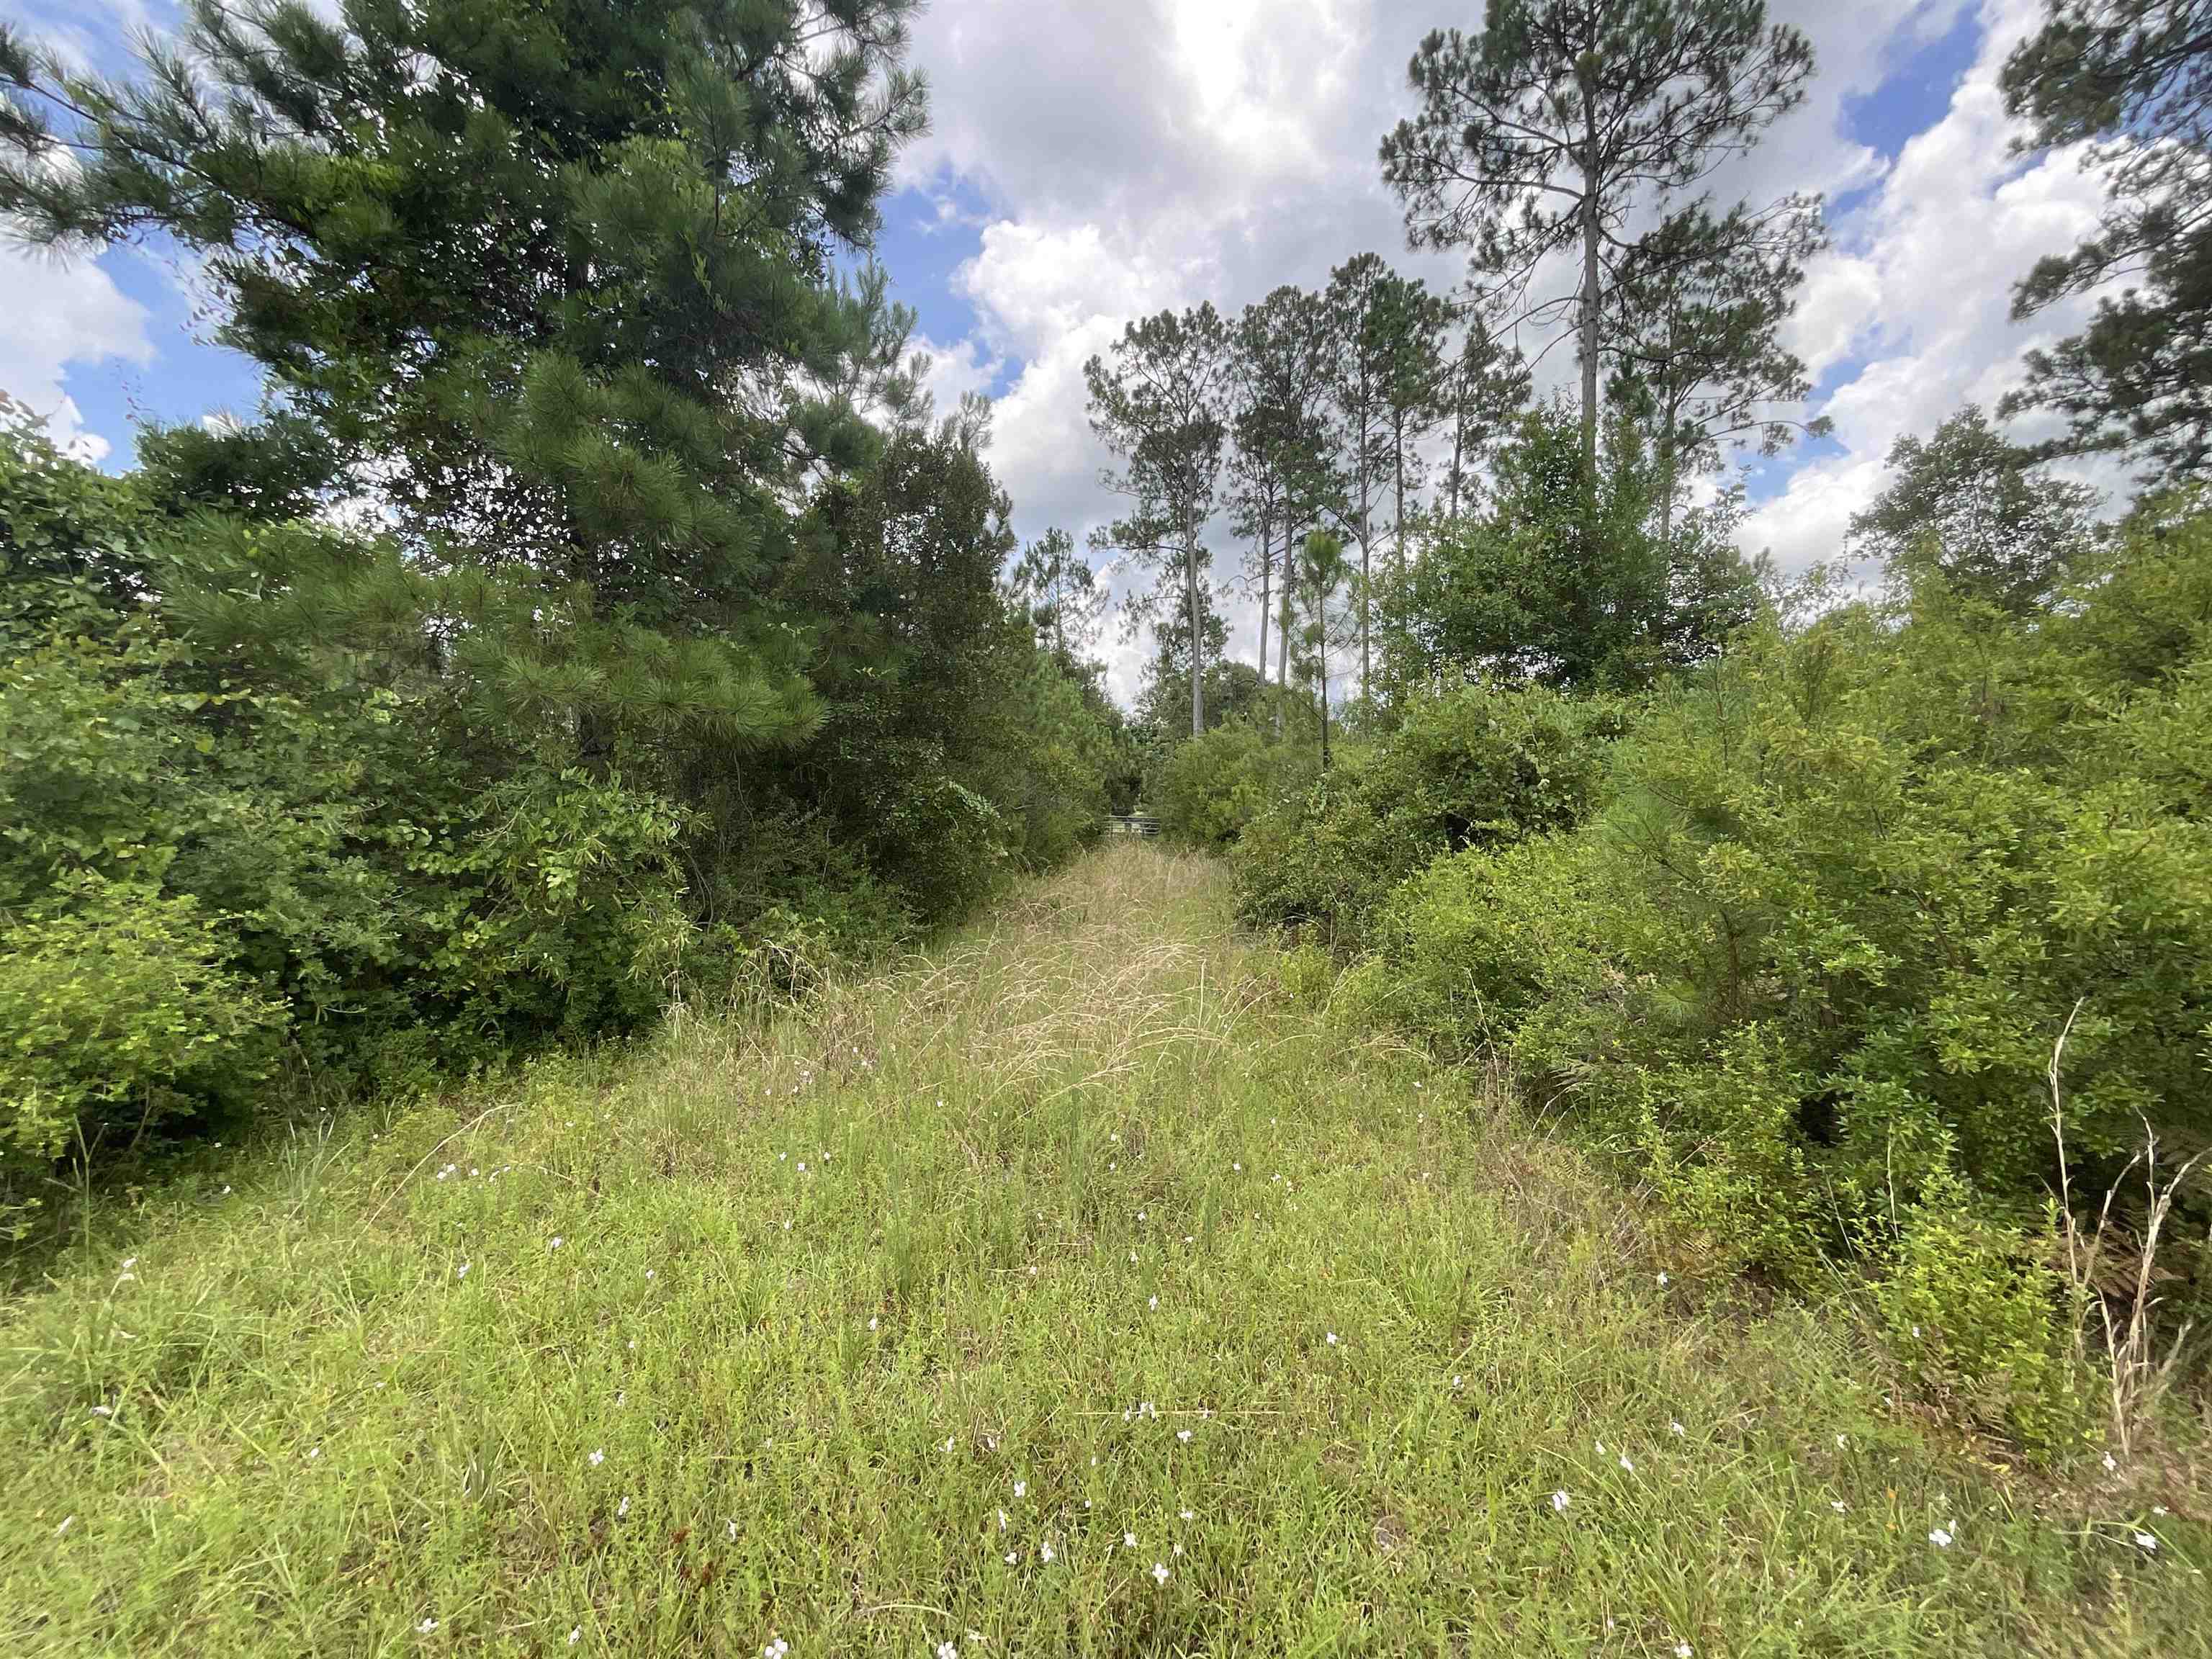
(1071, 1290)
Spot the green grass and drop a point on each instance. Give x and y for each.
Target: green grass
(851, 1316)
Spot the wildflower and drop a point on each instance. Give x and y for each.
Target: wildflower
(1839, 1443)
(1021, 1489)
(1133, 1255)
(462, 1272)
(1141, 1215)
(1182, 1434)
(1013, 1556)
(2145, 1542)
(1940, 1538)
(129, 1262)
(1836, 1504)
(1188, 1515)
(2109, 1465)
(945, 1649)
(313, 1452)
(802, 1166)
(733, 1531)
(871, 1323)
(1560, 1502)
(776, 1649)
(1178, 1549)
(1045, 1550)
(64, 1525)
(103, 1411)
(575, 1634)
(426, 1626)
(1456, 1379)
(650, 1273)
(1153, 1303)
(1626, 1464)
(948, 1442)
(1129, 1540)
(1188, 1239)
(1681, 1650)
(622, 1509)
(597, 1458)
(557, 1242)
(1676, 1430)
(1159, 1572)
(1002, 1519)
(1238, 1168)
(1662, 1281)
(1331, 1339)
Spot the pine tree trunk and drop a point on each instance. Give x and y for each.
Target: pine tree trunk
(1459, 442)
(1589, 317)
(1364, 657)
(1267, 571)
(1197, 645)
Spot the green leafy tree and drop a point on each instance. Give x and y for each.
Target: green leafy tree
(1158, 402)
(2132, 81)
(1555, 127)
(1996, 525)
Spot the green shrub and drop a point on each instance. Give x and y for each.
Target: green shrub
(116, 1011)
(1480, 766)
(1212, 787)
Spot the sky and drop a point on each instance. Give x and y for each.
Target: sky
(1090, 161)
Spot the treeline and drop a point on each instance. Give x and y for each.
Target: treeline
(1866, 917)
(596, 613)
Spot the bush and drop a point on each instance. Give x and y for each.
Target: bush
(1482, 766)
(1212, 787)
(116, 1010)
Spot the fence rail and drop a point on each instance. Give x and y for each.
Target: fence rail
(1133, 823)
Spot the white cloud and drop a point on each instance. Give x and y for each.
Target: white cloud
(1921, 291)
(58, 313)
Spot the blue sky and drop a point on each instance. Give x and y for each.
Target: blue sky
(1088, 163)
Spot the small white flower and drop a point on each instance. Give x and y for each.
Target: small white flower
(426, 1626)
(1456, 1381)
(1021, 1489)
(462, 1272)
(1626, 1464)
(1045, 1549)
(732, 1531)
(1840, 1441)
(2110, 1463)
(1188, 1515)
(651, 1274)
(103, 1411)
(556, 1243)
(1681, 1650)
(2145, 1541)
(1129, 1540)
(1836, 1504)
(1182, 1434)
(1141, 1215)
(622, 1509)
(1002, 1519)
(1331, 1339)
(1662, 1281)
(1013, 1556)
(1560, 1502)
(64, 1527)
(597, 1458)
(948, 1442)
(575, 1634)
(1153, 1303)
(129, 1262)
(871, 1323)
(802, 1166)
(1177, 1549)
(1940, 1538)
(945, 1649)
(1159, 1572)
(1239, 1168)
(313, 1452)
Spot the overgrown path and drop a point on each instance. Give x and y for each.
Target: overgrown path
(1074, 1290)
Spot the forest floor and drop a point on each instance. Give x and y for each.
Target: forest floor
(1070, 1289)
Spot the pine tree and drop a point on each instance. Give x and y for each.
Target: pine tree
(1159, 406)
(1364, 308)
(1698, 307)
(2131, 79)
(1283, 358)
(1061, 595)
(1549, 130)
(560, 282)
(1486, 389)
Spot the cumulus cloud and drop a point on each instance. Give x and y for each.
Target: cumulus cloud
(1165, 151)
(59, 313)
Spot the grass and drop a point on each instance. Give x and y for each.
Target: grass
(1078, 1231)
